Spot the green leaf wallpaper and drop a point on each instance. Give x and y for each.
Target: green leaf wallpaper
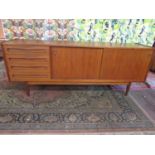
(102, 30)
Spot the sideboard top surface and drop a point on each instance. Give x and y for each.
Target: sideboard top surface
(74, 44)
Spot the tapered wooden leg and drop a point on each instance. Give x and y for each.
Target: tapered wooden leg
(127, 89)
(147, 84)
(28, 90)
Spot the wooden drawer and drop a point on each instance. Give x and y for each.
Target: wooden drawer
(28, 63)
(27, 53)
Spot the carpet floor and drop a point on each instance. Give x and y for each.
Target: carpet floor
(139, 86)
(145, 100)
(67, 109)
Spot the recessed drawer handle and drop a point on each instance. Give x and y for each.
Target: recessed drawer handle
(27, 49)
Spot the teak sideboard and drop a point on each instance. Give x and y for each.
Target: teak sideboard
(76, 63)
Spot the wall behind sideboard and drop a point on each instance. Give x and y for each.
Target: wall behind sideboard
(104, 30)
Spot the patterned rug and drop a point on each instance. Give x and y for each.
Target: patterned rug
(66, 108)
(139, 86)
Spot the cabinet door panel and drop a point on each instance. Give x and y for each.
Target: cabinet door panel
(76, 63)
(125, 64)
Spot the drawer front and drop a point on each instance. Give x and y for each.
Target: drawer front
(28, 63)
(27, 53)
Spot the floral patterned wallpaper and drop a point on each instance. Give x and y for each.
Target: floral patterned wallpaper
(104, 30)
